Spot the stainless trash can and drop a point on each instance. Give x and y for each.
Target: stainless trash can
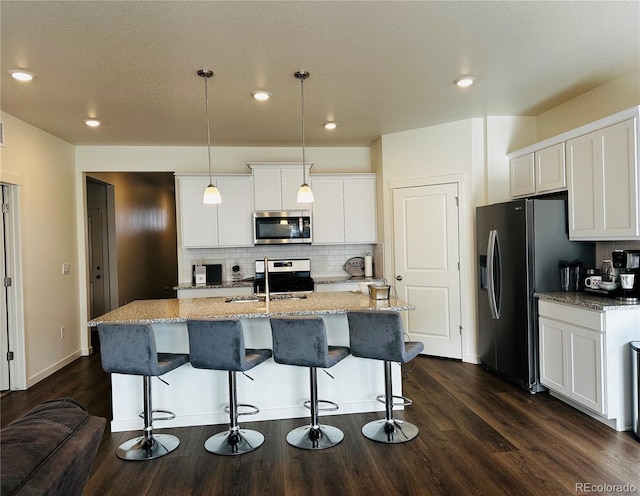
(635, 381)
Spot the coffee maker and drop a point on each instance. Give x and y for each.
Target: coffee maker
(628, 264)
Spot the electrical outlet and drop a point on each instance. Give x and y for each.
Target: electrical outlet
(66, 268)
(62, 333)
(324, 260)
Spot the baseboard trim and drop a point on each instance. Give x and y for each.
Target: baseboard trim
(34, 379)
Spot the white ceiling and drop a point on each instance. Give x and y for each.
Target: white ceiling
(376, 67)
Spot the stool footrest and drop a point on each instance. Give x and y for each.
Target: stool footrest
(250, 409)
(332, 408)
(167, 415)
(404, 401)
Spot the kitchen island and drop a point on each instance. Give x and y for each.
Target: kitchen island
(198, 397)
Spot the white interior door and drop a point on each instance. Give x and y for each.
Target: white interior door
(426, 262)
(5, 383)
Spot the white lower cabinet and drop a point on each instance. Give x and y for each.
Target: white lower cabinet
(585, 358)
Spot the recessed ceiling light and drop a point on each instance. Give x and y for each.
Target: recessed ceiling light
(92, 122)
(464, 82)
(21, 75)
(330, 125)
(261, 95)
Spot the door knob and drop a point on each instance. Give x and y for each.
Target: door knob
(398, 278)
(98, 276)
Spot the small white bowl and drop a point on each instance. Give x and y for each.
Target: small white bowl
(364, 287)
(608, 285)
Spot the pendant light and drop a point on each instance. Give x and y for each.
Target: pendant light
(211, 194)
(305, 195)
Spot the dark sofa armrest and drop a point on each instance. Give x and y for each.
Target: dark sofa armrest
(50, 450)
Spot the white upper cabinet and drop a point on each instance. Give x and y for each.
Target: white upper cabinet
(275, 187)
(344, 208)
(604, 184)
(522, 175)
(550, 169)
(208, 226)
(198, 222)
(542, 171)
(235, 213)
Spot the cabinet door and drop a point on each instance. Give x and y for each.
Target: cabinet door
(198, 222)
(584, 192)
(550, 169)
(617, 154)
(552, 352)
(328, 211)
(603, 184)
(359, 210)
(235, 213)
(267, 189)
(585, 367)
(522, 176)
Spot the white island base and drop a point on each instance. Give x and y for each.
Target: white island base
(198, 396)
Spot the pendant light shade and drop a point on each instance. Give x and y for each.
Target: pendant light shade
(211, 194)
(305, 195)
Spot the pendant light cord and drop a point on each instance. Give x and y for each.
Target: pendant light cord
(304, 169)
(206, 112)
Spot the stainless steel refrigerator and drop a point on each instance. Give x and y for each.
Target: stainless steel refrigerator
(519, 245)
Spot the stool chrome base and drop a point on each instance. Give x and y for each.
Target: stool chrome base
(390, 431)
(147, 448)
(315, 438)
(234, 443)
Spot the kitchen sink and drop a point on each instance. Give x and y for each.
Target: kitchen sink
(275, 297)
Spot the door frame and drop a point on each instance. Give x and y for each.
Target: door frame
(110, 226)
(466, 254)
(15, 298)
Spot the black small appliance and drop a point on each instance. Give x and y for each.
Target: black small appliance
(627, 262)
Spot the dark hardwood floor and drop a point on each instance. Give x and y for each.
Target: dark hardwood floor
(478, 435)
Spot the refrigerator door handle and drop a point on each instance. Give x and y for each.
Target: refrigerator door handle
(491, 289)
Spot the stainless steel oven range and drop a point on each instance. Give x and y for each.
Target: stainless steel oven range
(285, 276)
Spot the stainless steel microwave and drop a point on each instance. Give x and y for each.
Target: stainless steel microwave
(274, 227)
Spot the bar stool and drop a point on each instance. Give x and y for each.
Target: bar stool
(219, 345)
(379, 335)
(131, 349)
(302, 341)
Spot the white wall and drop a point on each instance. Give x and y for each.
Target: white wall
(504, 134)
(43, 168)
(433, 154)
(232, 160)
(616, 95)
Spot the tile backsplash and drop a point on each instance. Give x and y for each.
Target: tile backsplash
(326, 261)
(604, 248)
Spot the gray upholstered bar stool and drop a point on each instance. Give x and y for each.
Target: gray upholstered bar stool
(380, 335)
(131, 349)
(302, 341)
(219, 345)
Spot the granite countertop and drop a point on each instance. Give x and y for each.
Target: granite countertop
(345, 279)
(181, 309)
(589, 301)
(248, 283)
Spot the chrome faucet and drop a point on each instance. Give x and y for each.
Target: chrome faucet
(266, 282)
